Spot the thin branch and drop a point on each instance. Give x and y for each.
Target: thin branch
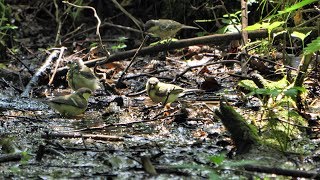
(98, 23)
(57, 64)
(131, 62)
(35, 78)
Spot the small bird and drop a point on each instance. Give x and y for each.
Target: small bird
(72, 104)
(80, 75)
(163, 92)
(165, 28)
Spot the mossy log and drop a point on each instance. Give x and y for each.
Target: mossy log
(243, 134)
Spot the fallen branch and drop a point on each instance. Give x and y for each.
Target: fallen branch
(210, 39)
(78, 135)
(10, 157)
(34, 80)
(283, 172)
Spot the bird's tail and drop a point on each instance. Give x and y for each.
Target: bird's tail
(194, 90)
(188, 27)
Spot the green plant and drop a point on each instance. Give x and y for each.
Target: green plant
(25, 157)
(279, 102)
(232, 23)
(220, 164)
(5, 25)
(277, 20)
(121, 44)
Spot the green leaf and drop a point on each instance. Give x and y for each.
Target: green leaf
(214, 176)
(8, 26)
(279, 33)
(248, 85)
(119, 46)
(280, 85)
(122, 39)
(300, 35)
(217, 159)
(312, 47)
(222, 30)
(263, 25)
(297, 6)
(292, 92)
(275, 92)
(253, 27)
(262, 91)
(25, 157)
(274, 25)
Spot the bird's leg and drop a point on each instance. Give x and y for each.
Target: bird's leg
(167, 97)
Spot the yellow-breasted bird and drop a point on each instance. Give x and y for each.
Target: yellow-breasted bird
(164, 92)
(80, 75)
(165, 28)
(72, 104)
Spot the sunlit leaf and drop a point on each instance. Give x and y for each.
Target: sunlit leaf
(274, 25)
(312, 47)
(254, 27)
(279, 33)
(297, 6)
(300, 35)
(248, 85)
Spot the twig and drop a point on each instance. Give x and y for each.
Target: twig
(98, 23)
(57, 64)
(10, 85)
(284, 172)
(308, 21)
(272, 62)
(13, 56)
(128, 14)
(132, 60)
(56, 42)
(78, 135)
(35, 77)
(203, 65)
(136, 93)
(115, 125)
(102, 25)
(148, 74)
(74, 31)
(121, 27)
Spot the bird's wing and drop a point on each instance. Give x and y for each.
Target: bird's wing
(87, 73)
(78, 102)
(168, 25)
(176, 90)
(165, 89)
(161, 90)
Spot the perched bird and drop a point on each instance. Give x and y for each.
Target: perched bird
(163, 92)
(79, 76)
(165, 28)
(72, 104)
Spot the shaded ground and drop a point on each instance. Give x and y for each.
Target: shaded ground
(166, 142)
